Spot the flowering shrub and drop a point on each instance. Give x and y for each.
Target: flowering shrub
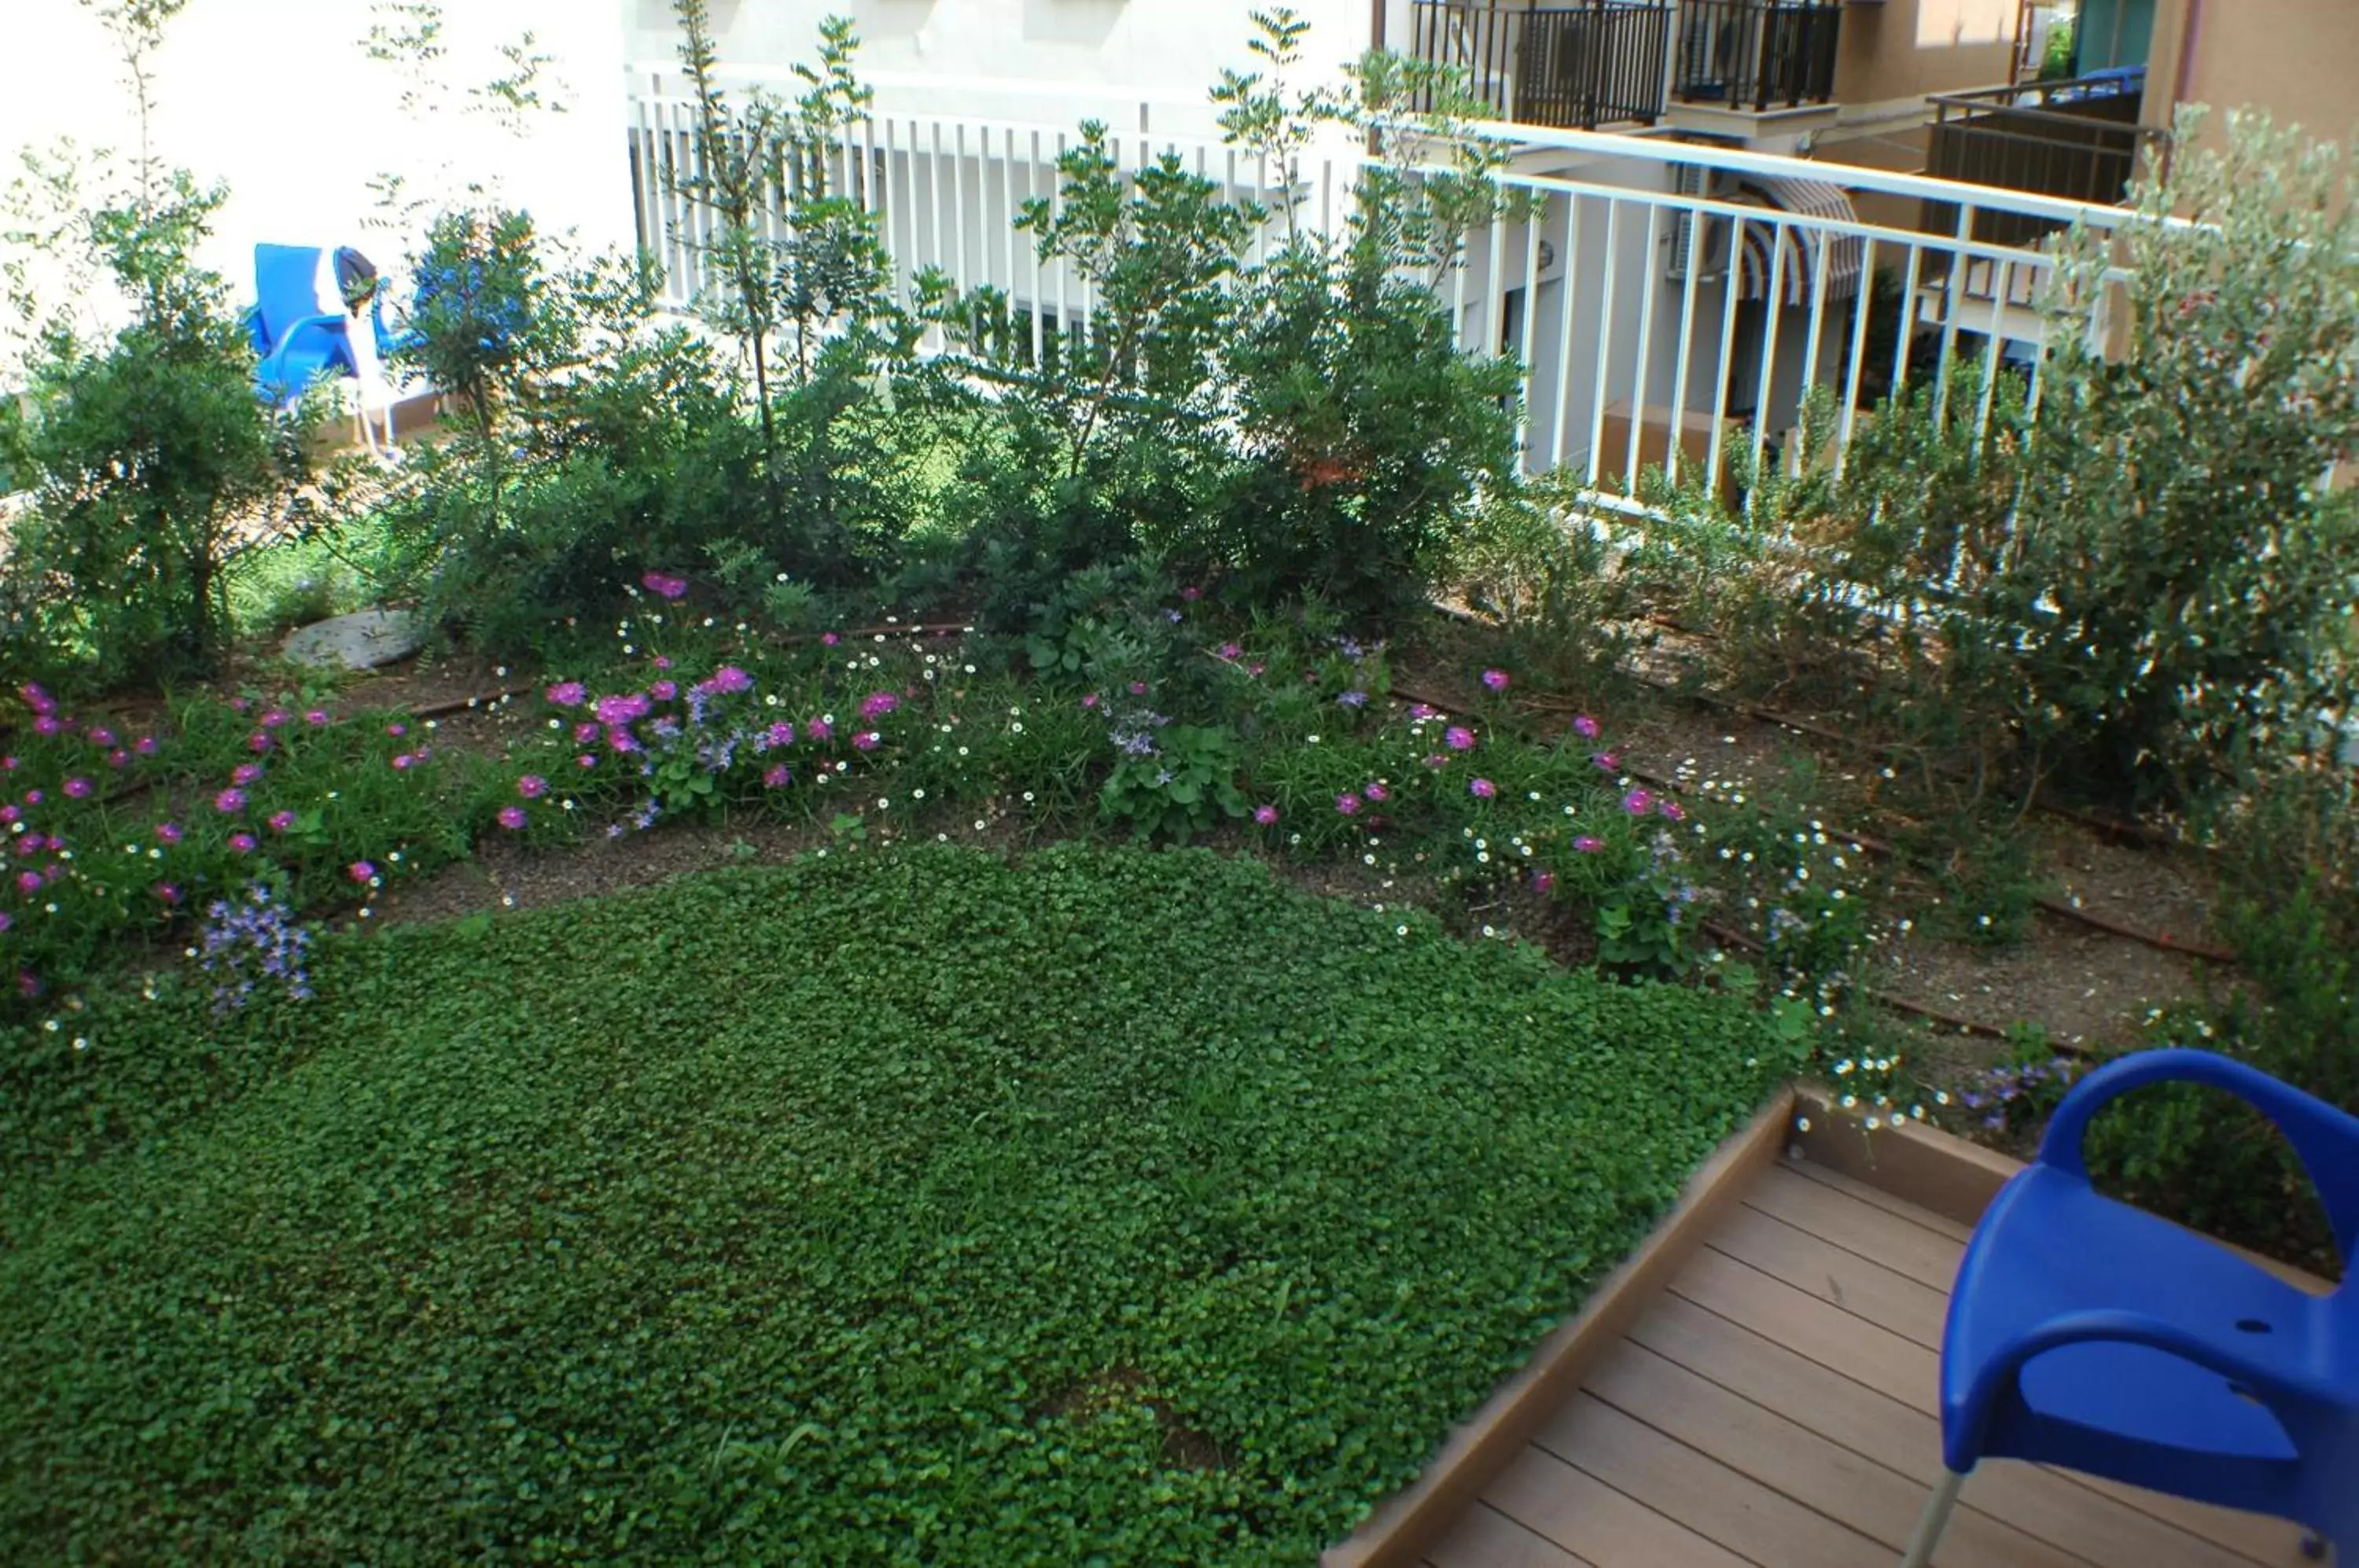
(1173, 781)
(253, 940)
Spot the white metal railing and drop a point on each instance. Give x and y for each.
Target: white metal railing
(1661, 317)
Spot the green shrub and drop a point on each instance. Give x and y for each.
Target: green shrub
(906, 1208)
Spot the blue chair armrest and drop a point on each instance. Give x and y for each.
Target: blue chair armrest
(2285, 1392)
(2326, 1139)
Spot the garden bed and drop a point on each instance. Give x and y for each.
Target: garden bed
(912, 1207)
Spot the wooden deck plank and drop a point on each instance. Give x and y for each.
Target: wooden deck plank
(1485, 1538)
(1876, 1198)
(1847, 1344)
(1877, 1234)
(1723, 1506)
(1867, 1289)
(2046, 1506)
(1795, 1462)
(1598, 1525)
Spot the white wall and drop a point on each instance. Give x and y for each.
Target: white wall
(1036, 60)
(276, 98)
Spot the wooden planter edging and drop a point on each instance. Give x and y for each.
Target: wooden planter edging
(1484, 1445)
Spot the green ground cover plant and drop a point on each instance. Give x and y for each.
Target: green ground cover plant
(921, 1206)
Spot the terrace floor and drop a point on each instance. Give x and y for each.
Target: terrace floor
(1775, 1407)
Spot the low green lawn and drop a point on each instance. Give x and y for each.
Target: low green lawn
(1102, 1207)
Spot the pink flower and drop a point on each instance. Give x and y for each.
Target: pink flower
(275, 717)
(1637, 803)
(47, 724)
(145, 745)
(168, 892)
(866, 740)
(1377, 792)
(1191, 594)
(1091, 700)
(663, 661)
(663, 691)
(1584, 726)
(361, 871)
(1672, 810)
(829, 640)
(9, 813)
(30, 881)
(282, 821)
(586, 761)
(34, 797)
(241, 842)
(1543, 881)
(567, 694)
(1458, 738)
(1588, 845)
(100, 735)
(118, 757)
(245, 773)
(512, 818)
(1255, 668)
(239, 704)
(404, 763)
(1266, 815)
(1606, 761)
(259, 742)
(1422, 712)
(820, 730)
(877, 704)
(777, 735)
(397, 730)
(532, 786)
(1437, 760)
(621, 738)
(1496, 680)
(664, 587)
(584, 734)
(229, 801)
(78, 788)
(1139, 688)
(317, 718)
(1348, 804)
(1232, 651)
(1482, 788)
(729, 680)
(615, 711)
(167, 832)
(777, 777)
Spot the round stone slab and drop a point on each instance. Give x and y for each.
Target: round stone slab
(360, 642)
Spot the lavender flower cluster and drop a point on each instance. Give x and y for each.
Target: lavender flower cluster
(253, 942)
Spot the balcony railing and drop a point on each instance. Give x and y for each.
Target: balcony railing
(1756, 54)
(2079, 140)
(1570, 66)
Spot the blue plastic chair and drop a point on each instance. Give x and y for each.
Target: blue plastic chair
(2088, 1334)
(296, 342)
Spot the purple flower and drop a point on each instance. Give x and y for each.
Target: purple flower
(1672, 810)
(1637, 803)
(316, 717)
(664, 587)
(1091, 700)
(621, 738)
(1347, 804)
(397, 730)
(30, 881)
(567, 694)
(586, 761)
(145, 745)
(1423, 711)
(779, 735)
(866, 740)
(1355, 699)
(1482, 788)
(360, 871)
(1266, 815)
(1191, 594)
(512, 818)
(820, 730)
(777, 777)
(1458, 738)
(1231, 651)
(168, 892)
(663, 691)
(828, 640)
(78, 788)
(1587, 844)
(877, 704)
(1437, 760)
(584, 732)
(99, 735)
(245, 773)
(1377, 793)
(259, 742)
(405, 762)
(1139, 688)
(168, 833)
(729, 679)
(118, 757)
(532, 786)
(1543, 881)
(229, 801)
(282, 821)
(241, 842)
(615, 711)
(663, 661)
(1496, 680)
(47, 724)
(1606, 761)
(1584, 726)
(275, 717)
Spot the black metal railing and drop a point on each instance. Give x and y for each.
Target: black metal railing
(1756, 54)
(1578, 65)
(2079, 140)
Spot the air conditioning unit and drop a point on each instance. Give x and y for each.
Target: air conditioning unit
(1700, 241)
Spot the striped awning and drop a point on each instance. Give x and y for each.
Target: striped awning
(1807, 247)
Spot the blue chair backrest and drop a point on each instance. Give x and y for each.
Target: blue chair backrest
(286, 286)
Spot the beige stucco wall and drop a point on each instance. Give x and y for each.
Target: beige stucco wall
(2298, 58)
(1907, 48)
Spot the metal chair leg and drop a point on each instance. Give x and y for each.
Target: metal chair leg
(1931, 1522)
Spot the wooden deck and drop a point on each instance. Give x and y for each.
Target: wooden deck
(1775, 1406)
